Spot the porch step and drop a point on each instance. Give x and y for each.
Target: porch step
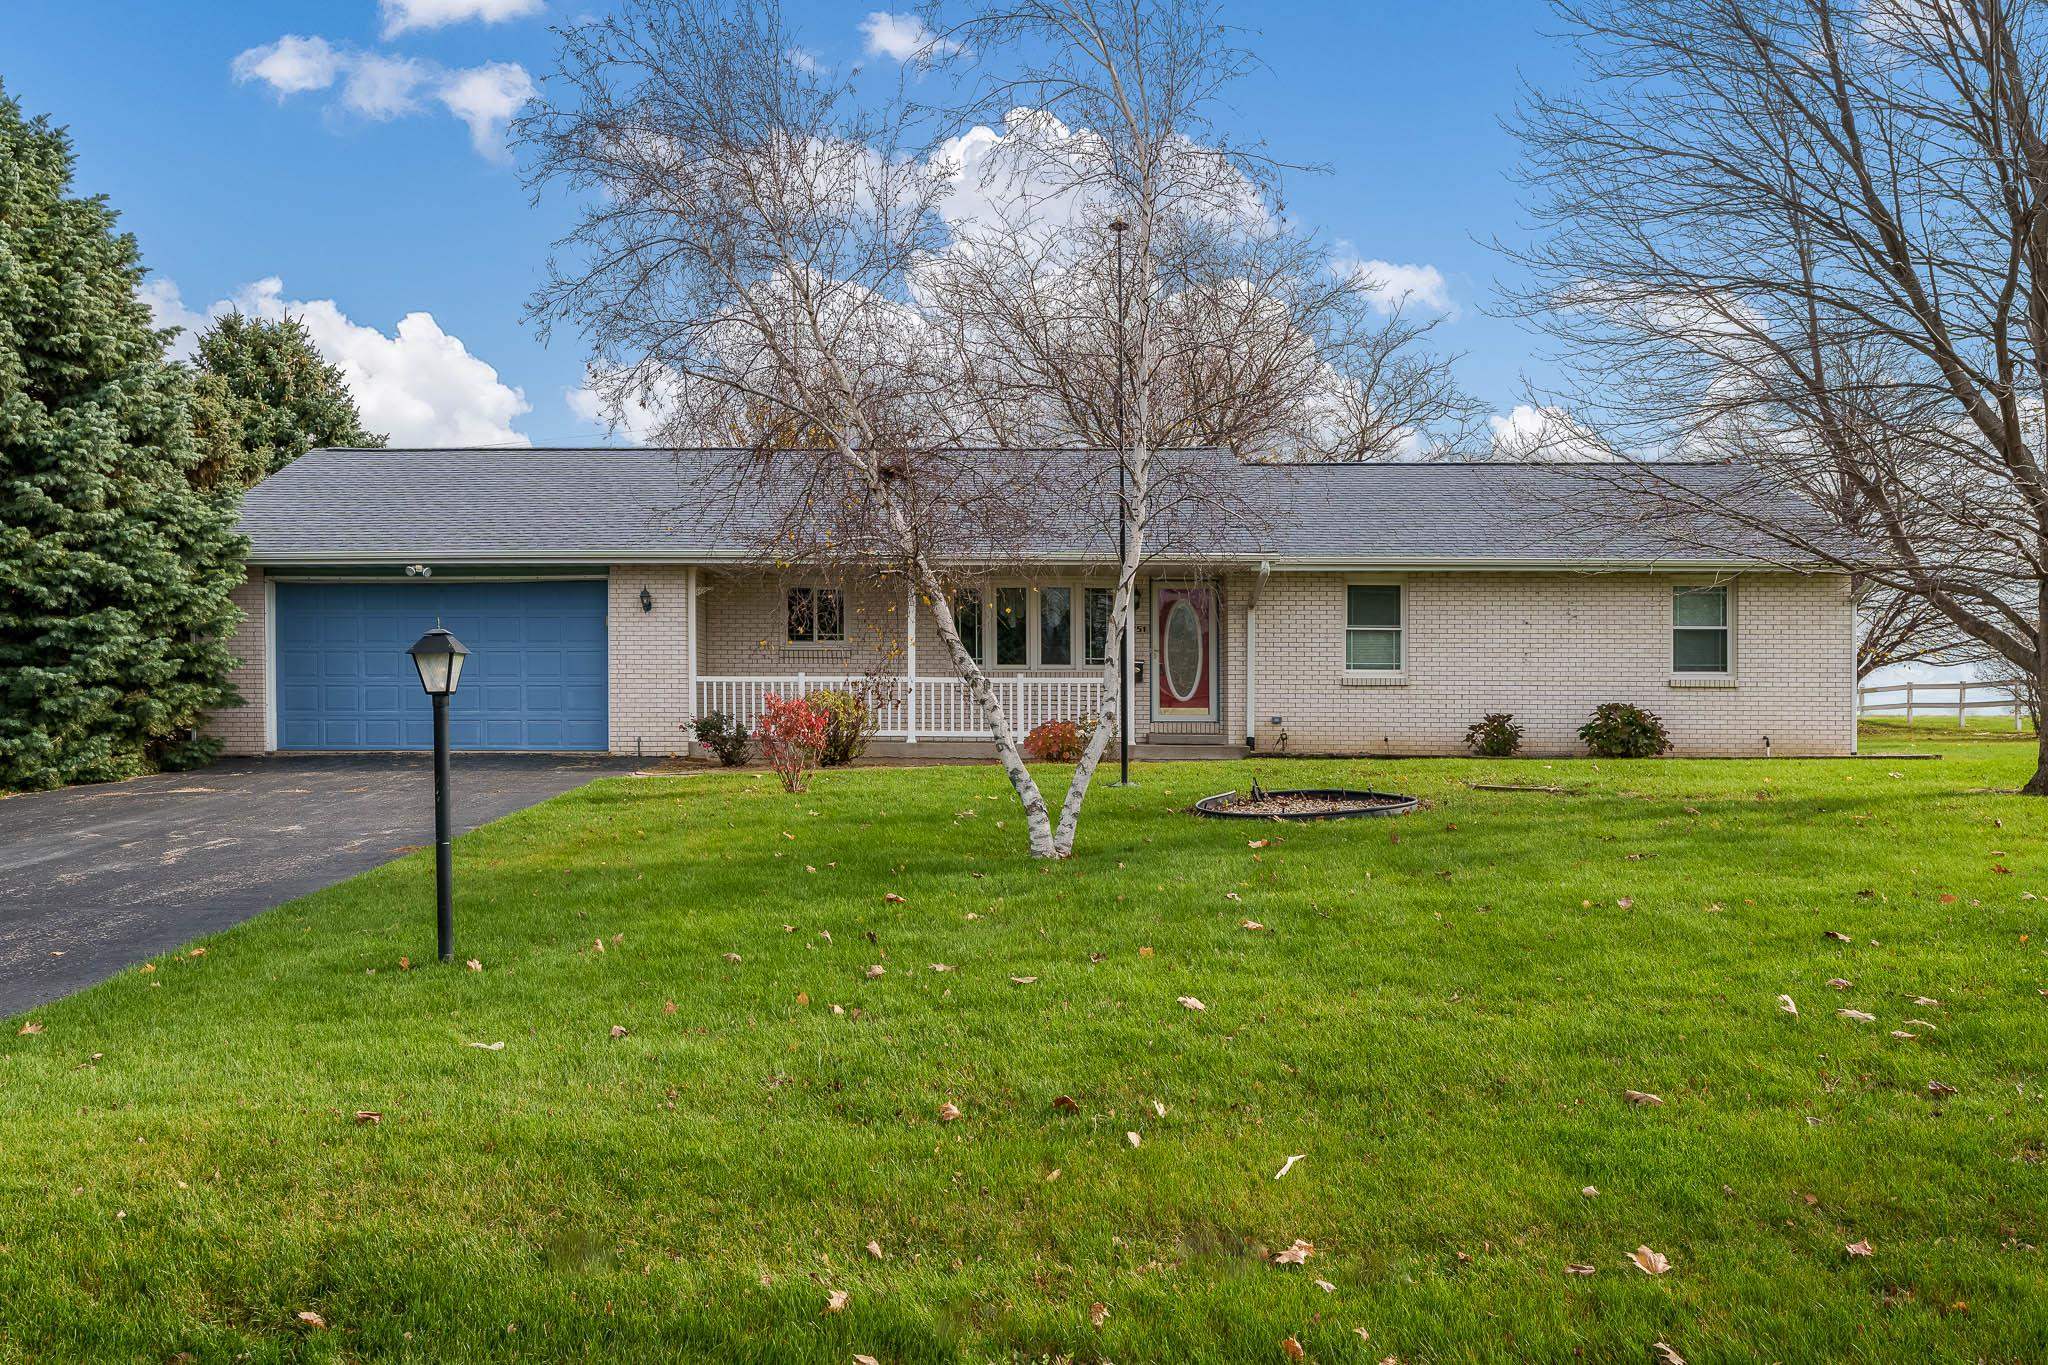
(1209, 740)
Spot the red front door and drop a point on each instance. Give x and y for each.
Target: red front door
(1184, 654)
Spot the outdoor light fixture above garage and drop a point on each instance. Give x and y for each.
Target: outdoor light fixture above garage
(646, 600)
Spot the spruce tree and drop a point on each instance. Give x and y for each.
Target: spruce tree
(114, 571)
(264, 396)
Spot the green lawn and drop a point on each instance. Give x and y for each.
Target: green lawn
(1441, 1017)
(1879, 731)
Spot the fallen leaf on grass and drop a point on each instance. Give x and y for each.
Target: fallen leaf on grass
(1066, 1104)
(1144, 952)
(1098, 1312)
(859, 1359)
(1023, 980)
(1325, 1286)
(733, 958)
(1786, 1006)
(1295, 1254)
(1861, 1248)
(942, 966)
(877, 970)
(1901, 1033)
(1232, 896)
(1649, 1262)
(368, 1116)
(1132, 1138)
(597, 943)
(1665, 1354)
(1926, 1002)
(1292, 1348)
(1159, 1109)
(30, 1027)
(312, 1319)
(875, 1250)
(1940, 1088)
(1643, 1097)
(1626, 903)
(1840, 983)
(948, 1112)
(1922, 1023)
(1189, 1002)
(197, 952)
(489, 1047)
(618, 1030)
(1253, 925)
(475, 965)
(1837, 935)
(891, 898)
(1258, 843)
(669, 1006)
(1578, 1268)
(1591, 1192)
(1288, 1164)
(835, 1302)
(1858, 1015)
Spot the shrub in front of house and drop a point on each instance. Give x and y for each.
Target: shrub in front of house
(1059, 741)
(1619, 730)
(792, 734)
(724, 736)
(1494, 736)
(851, 718)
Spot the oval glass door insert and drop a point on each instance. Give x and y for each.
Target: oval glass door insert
(1183, 650)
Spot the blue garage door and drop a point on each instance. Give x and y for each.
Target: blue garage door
(535, 678)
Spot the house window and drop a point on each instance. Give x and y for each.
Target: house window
(1699, 630)
(967, 620)
(1013, 640)
(1055, 627)
(1098, 601)
(816, 615)
(1372, 627)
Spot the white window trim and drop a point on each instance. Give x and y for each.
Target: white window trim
(1370, 677)
(1726, 679)
(835, 645)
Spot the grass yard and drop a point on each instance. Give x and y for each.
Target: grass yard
(1441, 1016)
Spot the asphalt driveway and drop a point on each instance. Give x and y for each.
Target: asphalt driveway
(95, 879)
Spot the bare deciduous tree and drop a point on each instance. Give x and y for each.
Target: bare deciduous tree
(1807, 237)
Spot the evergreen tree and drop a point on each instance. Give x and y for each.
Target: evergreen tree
(264, 396)
(114, 571)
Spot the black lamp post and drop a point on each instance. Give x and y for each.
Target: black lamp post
(1123, 517)
(438, 656)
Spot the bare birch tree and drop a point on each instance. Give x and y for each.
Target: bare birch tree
(744, 251)
(1810, 238)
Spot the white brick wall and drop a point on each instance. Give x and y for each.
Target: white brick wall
(1549, 647)
(649, 658)
(241, 728)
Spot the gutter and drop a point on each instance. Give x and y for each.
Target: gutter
(1275, 563)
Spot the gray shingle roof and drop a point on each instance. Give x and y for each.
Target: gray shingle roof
(601, 505)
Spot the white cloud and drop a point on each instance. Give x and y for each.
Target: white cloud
(291, 65)
(486, 97)
(803, 59)
(1530, 432)
(902, 37)
(418, 384)
(639, 416)
(1397, 286)
(381, 86)
(402, 15)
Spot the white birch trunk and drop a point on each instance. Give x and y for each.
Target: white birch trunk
(1037, 822)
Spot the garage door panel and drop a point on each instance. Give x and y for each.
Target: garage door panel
(535, 678)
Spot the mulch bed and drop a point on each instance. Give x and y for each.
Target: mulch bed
(1303, 803)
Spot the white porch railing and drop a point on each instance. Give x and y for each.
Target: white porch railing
(921, 708)
(1942, 699)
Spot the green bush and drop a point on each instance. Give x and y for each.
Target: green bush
(1494, 736)
(850, 722)
(1619, 730)
(724, 736)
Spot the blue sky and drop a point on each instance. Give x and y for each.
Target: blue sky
(375, 197)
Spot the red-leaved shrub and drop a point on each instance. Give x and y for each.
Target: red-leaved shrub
(1056, 741)
(792, 733)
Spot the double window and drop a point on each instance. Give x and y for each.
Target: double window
(1699, 630)
(816, 616)
(1372, 627)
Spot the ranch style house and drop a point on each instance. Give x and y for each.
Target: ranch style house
(1379, 609)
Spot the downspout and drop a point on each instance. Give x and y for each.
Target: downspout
(1251, 656)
